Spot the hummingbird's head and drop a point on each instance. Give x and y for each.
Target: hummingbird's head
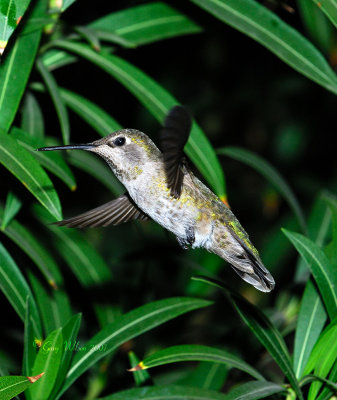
(126, 151)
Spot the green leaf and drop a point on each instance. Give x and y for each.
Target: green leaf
(52, 161)
(254, 390)
(263, 329)
(83, 259)
(32, 247)
(317, 24)
(32, 118)
(250, 390)
(125, 328)
(323, 357)
(15, 70)
(318, 224)
(16, 289)
(95, 116)
(54, 58)
(140, 376)
(207, 375)
(85, 262)
(94, 166)
(12, 207)
(158, 101)
(48, 360)
(11, 13)
(29, 349)
(312, 378)
(23, 165)
(34, 24)
(197, 353)
(146, 23)
(256, 21)
(10, 386)
(89, 35)
(269, 172)
(329, 7)
(169, 392)
(69, 333)
(47, 308)
(331, 200)
(66, 4)
(310, 322)
(53, 90)
(320, 267)
(326, 392)
(54, 307)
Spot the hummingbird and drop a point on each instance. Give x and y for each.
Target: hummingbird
(161, 186)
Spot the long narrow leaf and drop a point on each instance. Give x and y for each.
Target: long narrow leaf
(322, 358)
(10, 16)
(26, 240)
(197, 353)
(23, 165)
(15, 70)
(263, 329)
(317, 24)
(127, 327)
(206, 375)
(52, 161)
(311, 319)
(326, 392)
(95, 116)
(32, 118)
(12, 207)
(48, 360)
(169, 392)
(318, 224)
(248, 391)
(140, 376)
(84, 261)
(47, 308)
(69, 334)
(10, 386)
(16, 289)
(55, 58)
(270, 173)
(146, 23)
(56, 98)
(321, 269)
(256, 21)
(158, 101)
(254, 390)
(29, 350)
(329, 7)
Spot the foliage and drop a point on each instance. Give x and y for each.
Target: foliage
(85, 297)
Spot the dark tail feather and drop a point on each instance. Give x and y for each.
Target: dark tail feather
(260, 277)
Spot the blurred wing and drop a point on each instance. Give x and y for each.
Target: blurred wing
(173, 137)
(115, 212)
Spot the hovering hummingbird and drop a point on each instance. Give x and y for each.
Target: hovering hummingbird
(161, 186)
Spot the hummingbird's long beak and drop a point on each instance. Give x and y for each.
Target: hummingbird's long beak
(68, 147)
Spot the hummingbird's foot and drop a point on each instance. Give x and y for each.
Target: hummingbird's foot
(189, 240)
(183, 243)
(190, 235)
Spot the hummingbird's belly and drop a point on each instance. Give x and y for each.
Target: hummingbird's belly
(176, 215)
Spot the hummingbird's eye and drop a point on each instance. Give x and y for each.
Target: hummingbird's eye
(119, 141)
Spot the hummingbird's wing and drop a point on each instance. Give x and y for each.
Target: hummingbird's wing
(115, 212)
(173, 137)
